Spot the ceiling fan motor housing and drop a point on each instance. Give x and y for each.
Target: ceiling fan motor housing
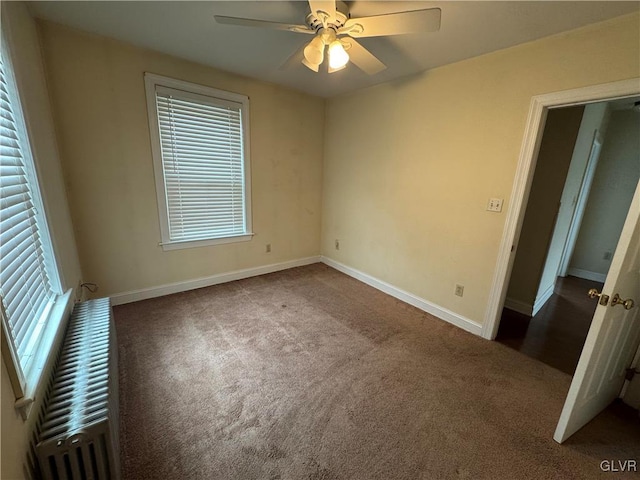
(342, 15)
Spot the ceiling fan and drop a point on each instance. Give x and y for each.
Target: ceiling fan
(335, 31)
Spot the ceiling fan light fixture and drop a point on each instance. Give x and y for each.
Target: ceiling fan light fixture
(332, 70)
(314, 51)
(338, 56)
(311, 66)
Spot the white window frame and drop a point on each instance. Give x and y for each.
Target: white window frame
(152, 82)
(27, 380)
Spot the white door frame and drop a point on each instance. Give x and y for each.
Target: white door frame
(540, 104)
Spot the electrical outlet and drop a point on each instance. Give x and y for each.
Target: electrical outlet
(337, 244)
(459, 290)
(267, 248)
(494, 205)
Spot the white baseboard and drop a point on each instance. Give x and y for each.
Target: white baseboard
(544, 298)
(168, 289)
(518, 306)
(586, 274)
(526, 308)
(422, 304)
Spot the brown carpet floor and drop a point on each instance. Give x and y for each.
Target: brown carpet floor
(310, 374)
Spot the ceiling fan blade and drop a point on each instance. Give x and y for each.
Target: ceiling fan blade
(249, 22)
(362, 58)
(327, 6)
(297, 58)
(294, 60)
(415, 21)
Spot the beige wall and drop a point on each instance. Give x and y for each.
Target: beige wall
(15, 433)
(410, 165)
(19, 30)
(613, 187)
(552, 166)
(100, 111)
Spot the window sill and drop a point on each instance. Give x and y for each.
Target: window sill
(204, 243)
(35, 376)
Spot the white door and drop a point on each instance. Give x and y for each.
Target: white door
(631, 391)
(613, 337)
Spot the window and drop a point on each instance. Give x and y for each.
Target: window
(201, 161)
(29, 283)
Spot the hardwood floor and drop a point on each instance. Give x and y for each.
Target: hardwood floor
(555, 335)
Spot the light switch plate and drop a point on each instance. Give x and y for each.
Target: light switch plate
(494, 205)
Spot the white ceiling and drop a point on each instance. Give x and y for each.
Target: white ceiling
(187, 29)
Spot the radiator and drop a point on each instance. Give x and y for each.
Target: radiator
(78, 431)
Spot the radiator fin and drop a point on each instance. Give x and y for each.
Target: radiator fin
(78, 430)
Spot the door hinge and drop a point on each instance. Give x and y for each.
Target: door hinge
(630, 373)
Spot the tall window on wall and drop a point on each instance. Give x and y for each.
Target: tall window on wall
(200, 151)
(29, 282)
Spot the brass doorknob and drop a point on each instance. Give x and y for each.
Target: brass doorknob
(617, 300)
(593, 293)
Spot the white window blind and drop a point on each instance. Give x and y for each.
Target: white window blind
(203, 165)
(26, 291)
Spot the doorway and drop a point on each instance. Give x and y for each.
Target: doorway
(585, 176)
(614, 335)
(538, 110)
